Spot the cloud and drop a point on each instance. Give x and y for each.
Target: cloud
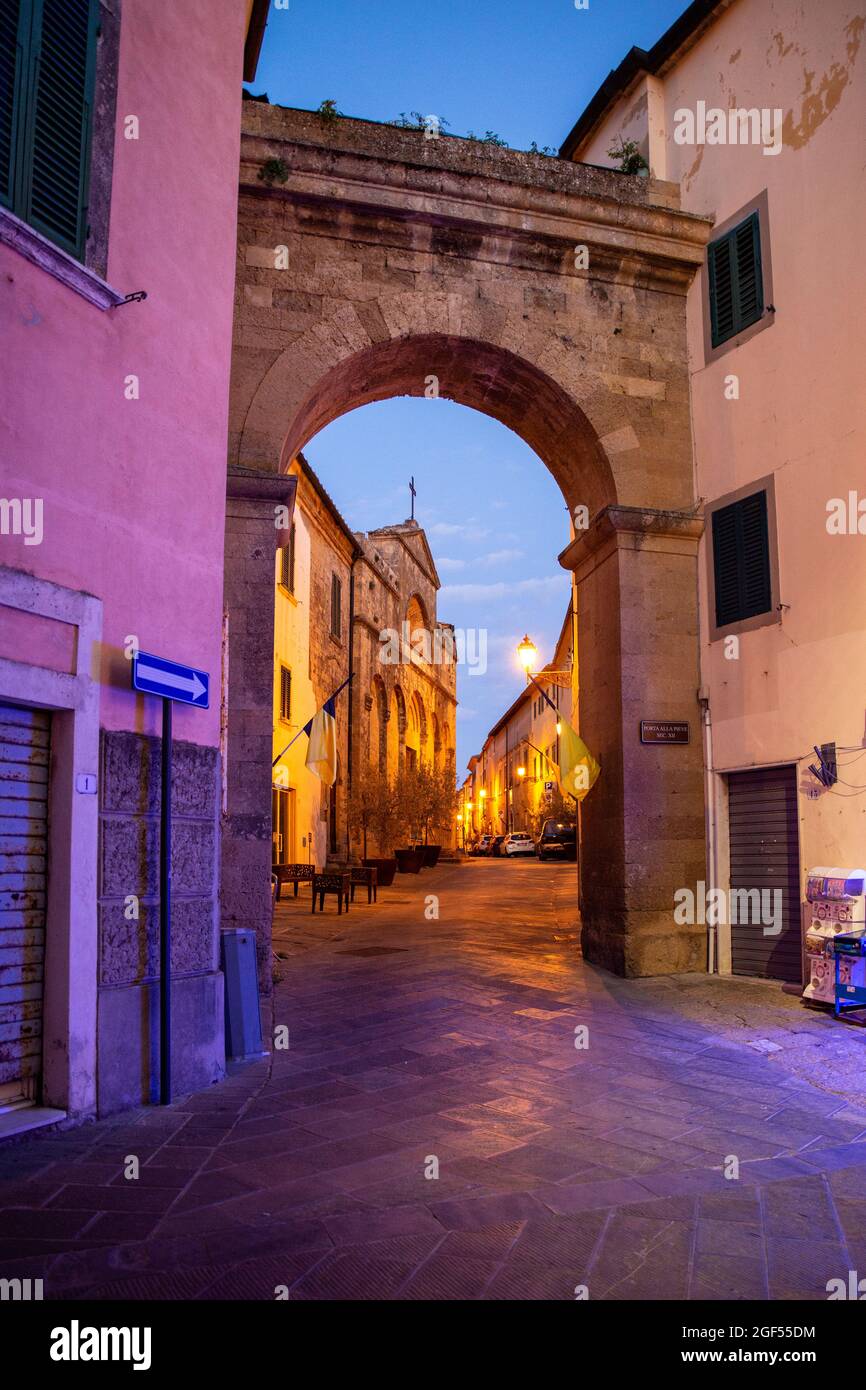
(445, 564)
(552, 586)
(470, 531)
(501, 557)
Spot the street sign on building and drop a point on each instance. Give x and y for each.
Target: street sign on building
(154, 675)
(663, 731)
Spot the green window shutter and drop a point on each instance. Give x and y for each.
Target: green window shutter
(14, 45)
(741, 560)
(736, 282)
(56, 150)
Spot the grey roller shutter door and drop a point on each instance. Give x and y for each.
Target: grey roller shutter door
(762, 811)
(24, 754)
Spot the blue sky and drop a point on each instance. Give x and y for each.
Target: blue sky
(494, 516)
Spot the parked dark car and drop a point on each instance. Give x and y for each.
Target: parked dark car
(496, 846)
(557, 840)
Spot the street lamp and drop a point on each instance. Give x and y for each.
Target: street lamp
(527, 654)
(521, 772)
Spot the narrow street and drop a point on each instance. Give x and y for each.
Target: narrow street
(419, 1043)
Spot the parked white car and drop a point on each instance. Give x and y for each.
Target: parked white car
(518, 842)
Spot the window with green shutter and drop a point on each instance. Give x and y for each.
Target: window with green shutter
(741, 560)
(736, 282)
(47, 70)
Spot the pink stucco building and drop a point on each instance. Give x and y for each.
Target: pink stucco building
(118, 174)
(752, 112)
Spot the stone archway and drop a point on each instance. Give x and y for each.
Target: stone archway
(552, 297)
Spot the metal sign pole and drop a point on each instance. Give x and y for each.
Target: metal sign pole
(170, 681)
(165, 912)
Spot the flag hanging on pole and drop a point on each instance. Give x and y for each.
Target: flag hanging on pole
(322, 733)
(578, 770)
(322, 752)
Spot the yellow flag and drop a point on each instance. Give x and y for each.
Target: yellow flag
(322, 752)
(578, 770)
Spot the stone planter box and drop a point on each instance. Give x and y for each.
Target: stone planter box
(429, 855)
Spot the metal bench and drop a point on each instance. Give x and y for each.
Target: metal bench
(338, 882)
(365, 875)
(293, 873)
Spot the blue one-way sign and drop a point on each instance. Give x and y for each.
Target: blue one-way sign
(156, 676)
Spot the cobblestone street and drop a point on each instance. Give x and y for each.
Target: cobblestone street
(453, 1039)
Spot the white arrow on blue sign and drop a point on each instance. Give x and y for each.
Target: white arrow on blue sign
(156, 676)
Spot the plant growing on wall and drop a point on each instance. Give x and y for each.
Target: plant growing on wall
(488, 138)
(327, 112)
(631, 161)
(274, 171)
(415, 120)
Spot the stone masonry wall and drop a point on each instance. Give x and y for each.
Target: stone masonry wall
(129, 885)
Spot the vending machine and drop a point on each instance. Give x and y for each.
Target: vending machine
(835, 903)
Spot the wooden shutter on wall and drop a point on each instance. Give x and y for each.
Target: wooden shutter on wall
(741, 559)
(336, 606)
(287, 569)
(12, 65)
(58, 135)
(736, 281)
(47, 77)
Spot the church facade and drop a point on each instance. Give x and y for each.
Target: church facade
(360, 603)
(404, 659)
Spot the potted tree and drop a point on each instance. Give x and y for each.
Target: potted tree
(372, 814)
(435, 798)
(409, 861)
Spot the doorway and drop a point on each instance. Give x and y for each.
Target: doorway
(765, 855)
(283, 823)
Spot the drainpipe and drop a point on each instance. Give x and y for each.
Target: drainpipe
(710, 823)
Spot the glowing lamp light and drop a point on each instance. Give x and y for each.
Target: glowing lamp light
(482, 793)
(558, 727)
(527, 653)
(470, 805)
(521, 772)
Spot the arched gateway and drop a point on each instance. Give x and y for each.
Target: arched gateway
(550, 295)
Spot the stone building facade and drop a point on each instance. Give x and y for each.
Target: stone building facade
(312, 658)
(386, 261)
(404, 692)
(516, 774)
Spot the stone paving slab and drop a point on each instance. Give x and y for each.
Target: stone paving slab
(433, 1133)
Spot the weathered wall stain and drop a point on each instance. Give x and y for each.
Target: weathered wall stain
(820, 102)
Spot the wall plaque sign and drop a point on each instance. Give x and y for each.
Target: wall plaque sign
(663, 731)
